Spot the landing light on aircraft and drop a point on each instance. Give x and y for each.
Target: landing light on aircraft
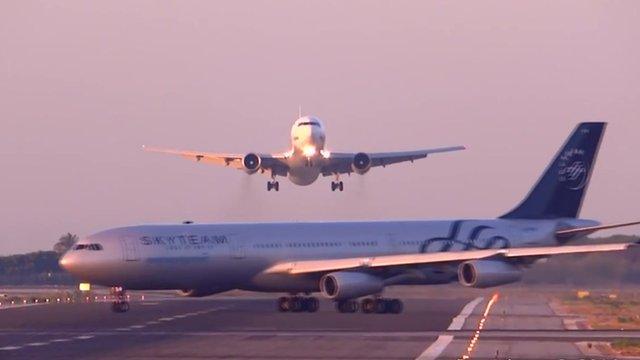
(325, 153)
(309, 150)
(84, 287)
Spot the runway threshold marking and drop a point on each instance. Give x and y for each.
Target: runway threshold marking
(441, 343)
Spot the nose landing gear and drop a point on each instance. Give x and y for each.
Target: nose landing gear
(337, 185)
(120, 303)
(273, 185)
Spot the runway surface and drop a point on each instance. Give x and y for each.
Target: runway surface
(250, 328)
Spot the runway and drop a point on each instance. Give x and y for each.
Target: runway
(249, 328)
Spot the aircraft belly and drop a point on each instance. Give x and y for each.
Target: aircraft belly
(303, 175)
(182, 273)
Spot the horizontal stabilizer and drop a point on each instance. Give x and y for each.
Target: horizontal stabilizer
(592, 229)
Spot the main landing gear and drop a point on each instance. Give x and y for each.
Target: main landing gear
(382, 306)
(337, 185)
(370, 306)
(273, 185)
(120, 303)
(298, 304)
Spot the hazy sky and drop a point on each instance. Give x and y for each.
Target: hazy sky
(83, 84)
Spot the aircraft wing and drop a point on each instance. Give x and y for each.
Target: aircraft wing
(324, 265)
(314, 266)
(340, 163)
(275, 162)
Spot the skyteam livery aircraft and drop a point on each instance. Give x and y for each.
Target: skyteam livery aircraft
(349, 260)
(307, 159)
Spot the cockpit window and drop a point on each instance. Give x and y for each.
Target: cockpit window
(310, 123)
(93, 247)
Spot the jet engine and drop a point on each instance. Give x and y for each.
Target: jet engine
(343, 285)
(487, 273)
(361, 163)
(251, 163)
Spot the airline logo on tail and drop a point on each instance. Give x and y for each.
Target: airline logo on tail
(573, 169)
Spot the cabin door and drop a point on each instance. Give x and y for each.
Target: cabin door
(130, 249)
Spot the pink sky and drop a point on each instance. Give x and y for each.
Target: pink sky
(84, 84)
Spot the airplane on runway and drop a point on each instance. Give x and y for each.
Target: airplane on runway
(345, 261)
(307, 159)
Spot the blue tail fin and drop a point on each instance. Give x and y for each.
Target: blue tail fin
(561, 189)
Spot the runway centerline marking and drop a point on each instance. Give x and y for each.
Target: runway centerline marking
(441, 343)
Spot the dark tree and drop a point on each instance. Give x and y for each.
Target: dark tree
(65, 243)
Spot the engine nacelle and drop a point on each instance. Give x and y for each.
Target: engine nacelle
(361, 163)
(349, 285)
(487, 273)
(251, 163)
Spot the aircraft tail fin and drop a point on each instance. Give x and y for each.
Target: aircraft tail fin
(560, 191)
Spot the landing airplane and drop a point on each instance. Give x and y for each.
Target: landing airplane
(307, 159)
(345, 261)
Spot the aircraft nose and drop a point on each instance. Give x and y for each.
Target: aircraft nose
(65, 261)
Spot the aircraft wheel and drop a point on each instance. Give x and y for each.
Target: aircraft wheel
(347, 306)
(297, 304)
(368, 306)
(395, 306)
(341, 186)
(312, 304)
(284, 304)
(276, 186)
(380, 306)
(120, 307)
(269, 185)
(333, 186)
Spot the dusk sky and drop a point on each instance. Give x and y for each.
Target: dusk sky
(84, 84)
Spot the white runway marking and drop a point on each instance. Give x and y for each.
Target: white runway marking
(438, 346)
(86, 337)
(17, 306)
(37, 344)
(458, 321)
(8, 348)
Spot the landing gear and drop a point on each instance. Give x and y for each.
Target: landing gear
(273, 185)
(347, 306)
(337, 185)
(381, 306)
(120, 303)
(298, 304)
